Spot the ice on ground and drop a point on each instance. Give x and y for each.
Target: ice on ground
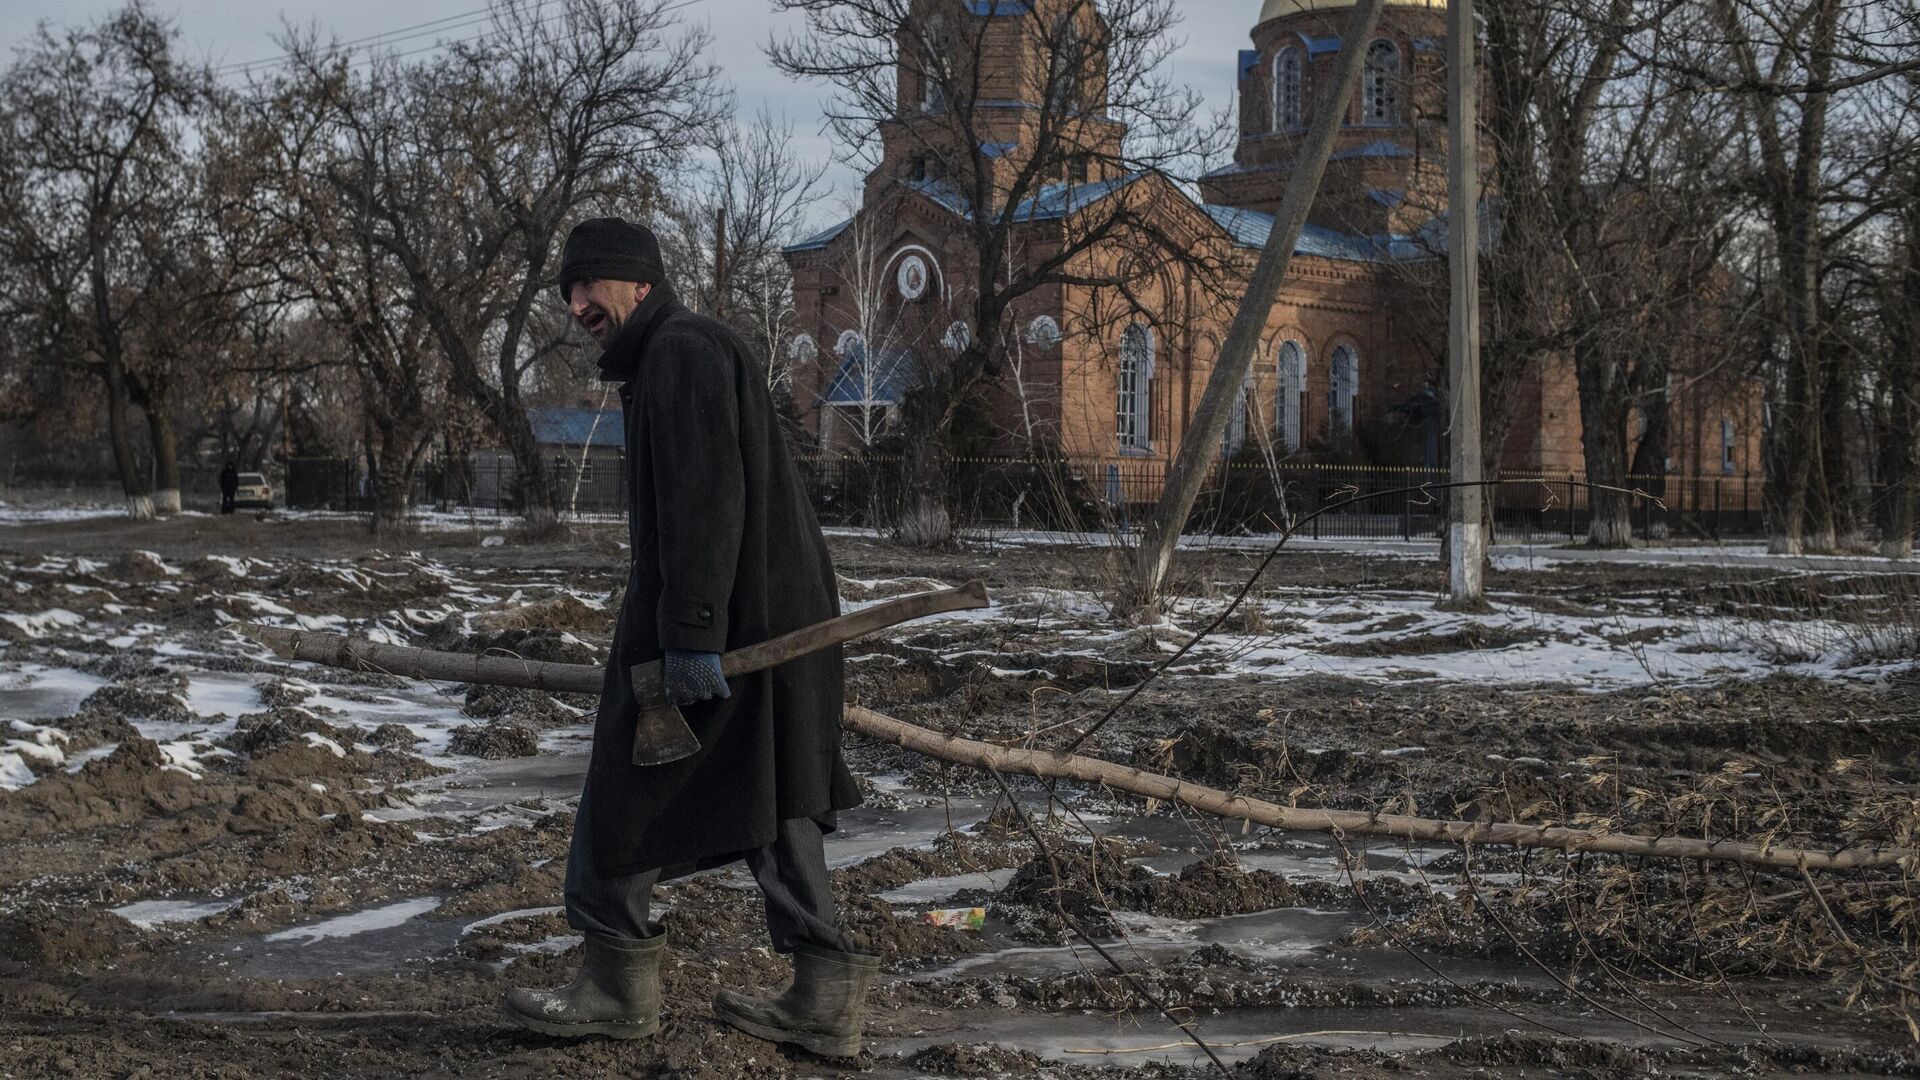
(42, 623)
(147, 914)
(509, 916)
(358, 922)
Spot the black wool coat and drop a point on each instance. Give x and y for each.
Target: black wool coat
(726, 552)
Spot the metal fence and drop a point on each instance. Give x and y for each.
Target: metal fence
(1081, 494)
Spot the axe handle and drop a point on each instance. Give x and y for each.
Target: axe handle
(837, 631)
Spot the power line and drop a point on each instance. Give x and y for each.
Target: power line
(369, 42)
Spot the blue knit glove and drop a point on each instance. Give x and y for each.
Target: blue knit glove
(689, 678)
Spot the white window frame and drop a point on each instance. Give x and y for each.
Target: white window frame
(1380, 88)
(1288, 103)
(1293, 385)
(1133, 398)
(1343, 389)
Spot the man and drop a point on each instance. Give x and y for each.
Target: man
(229, 486)
(726, 553)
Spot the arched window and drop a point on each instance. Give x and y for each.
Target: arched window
(1238, 421)
(1286, 90)
(851, 346)
(1134, 402)
(1341, 391)
(1068, 63)
(803, 350)
(1043, 332)
(1293, 382)
(1380, 88)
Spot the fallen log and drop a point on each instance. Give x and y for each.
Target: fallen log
(1060, 765)
(359, 655)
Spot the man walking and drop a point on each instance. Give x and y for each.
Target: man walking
(229, 486)
(726, 553)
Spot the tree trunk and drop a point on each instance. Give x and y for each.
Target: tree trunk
(1604, 404)
(125, 462)
(392, 479)
(1200, 443)
(1650, 454)
(922, 517)
(166, 456)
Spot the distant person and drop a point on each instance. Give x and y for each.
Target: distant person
(725, 553)
(229, 484)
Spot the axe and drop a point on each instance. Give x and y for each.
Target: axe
(661, 734)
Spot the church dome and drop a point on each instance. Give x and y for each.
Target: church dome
(1277, 9)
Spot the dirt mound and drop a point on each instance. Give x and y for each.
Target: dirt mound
(980, 1059)
(495, 739)
(1463, 639)
(64, 936)
(1596, 1059)
(1095, 880)
(562, 613)
(392, 736)
(533, 708)
(135, 702)
(137, 567)
(256, 733)
(126, 785)
(283, 692)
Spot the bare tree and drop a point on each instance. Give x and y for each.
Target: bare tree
(96, 188)
(723, 228)
(1794, 67)
(470, 182)
(1038, 191)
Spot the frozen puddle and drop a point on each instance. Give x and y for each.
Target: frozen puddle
(936, 890)
(377, 939)
(147, 914)
(38, 692)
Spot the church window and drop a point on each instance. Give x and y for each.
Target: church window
(1727, 444)
(1380, 97)
(1286, 90)
(1043, 331)
(1237, 420)
(851, 346)
(1134, 402)
(935, 48)
(1342, 390)
(803, 350)
(1293, 376)
(1069, 59)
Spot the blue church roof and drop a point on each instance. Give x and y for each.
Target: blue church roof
(558, 426)
(820, 239)
(890, 377)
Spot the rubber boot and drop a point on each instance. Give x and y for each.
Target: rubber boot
(616, 994)
(823, 1011)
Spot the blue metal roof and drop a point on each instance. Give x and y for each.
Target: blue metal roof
(1050, 203)
(1374, 149)
(820, 239)
(1327, 44)
(889, 378)
(998, 149)
(557, 426)
(1250, 228)
(1249, 59)
(991, 8)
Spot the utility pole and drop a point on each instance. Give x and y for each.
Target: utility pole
(720, 267)
(1466, 525)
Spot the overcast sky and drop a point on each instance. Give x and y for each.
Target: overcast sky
(236, 31)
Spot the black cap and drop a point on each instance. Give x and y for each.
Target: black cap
(610, 248)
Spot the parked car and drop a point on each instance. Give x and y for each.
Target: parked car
(254, 491)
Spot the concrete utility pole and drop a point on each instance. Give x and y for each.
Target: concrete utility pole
(1466, 526)
(1200, 444)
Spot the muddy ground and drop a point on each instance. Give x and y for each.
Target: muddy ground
(220, 865)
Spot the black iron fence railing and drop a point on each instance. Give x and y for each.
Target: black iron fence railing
(1082, 494)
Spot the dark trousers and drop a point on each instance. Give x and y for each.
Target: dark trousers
(791, 873)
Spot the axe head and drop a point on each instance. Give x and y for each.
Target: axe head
(661, 735)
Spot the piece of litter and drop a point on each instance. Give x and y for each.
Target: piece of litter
(965, 918)
(494, 541)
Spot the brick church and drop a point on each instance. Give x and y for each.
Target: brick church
(1354, 348)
